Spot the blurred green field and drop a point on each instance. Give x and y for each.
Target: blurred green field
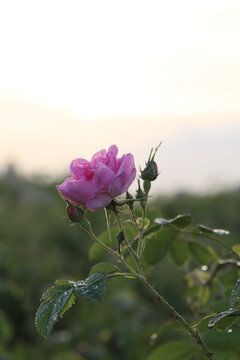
(38, 245)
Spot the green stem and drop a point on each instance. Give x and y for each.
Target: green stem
(108, 225)
(129, 275)
(139, 247)
(108, 249)
(191, 330)
(130, 249)
(100, 243)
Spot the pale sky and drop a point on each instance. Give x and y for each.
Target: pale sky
(77, 76)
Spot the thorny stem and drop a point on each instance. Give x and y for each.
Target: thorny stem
(191, 330)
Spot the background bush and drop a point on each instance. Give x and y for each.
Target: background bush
(38, 245)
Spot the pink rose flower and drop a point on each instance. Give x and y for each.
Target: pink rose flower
(95, 183)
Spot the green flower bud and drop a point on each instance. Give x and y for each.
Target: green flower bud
(150, 172)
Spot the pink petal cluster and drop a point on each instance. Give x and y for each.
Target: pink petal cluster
(95, 183)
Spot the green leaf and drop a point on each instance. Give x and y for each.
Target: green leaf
(143, 223)
(156, 248)
(52, 307)
(207, 230)
(165, 329)
(180, 221)
(236, 249)
(130, 231)
(63, 282)
(104, 268)
(151, 214)
(173, 350)
(200, 253)
(225, 355)
(179, 251)
(224, 320)
(234, 296)
(96, 252)
(202, 324)
(54, 290)
(224, 342)
(93, 288)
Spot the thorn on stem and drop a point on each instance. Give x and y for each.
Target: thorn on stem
(175, 319)
(157, 299)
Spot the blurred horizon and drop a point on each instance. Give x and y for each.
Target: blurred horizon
(199, 156)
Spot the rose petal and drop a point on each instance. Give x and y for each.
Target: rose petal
(77, 191)
(103, 176)
(99, 157)
(78, 167)
(99, 201)
(112, 151)
(116, 187)
(111, 158)
(129, 180)
(127, 163)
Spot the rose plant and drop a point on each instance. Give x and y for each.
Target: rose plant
(134, 240)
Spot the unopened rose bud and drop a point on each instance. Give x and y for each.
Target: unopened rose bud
(74, 214)
(150, 172)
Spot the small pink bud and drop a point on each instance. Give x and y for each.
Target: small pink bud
(74, 214)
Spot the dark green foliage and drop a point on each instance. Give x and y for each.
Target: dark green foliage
(53, 304)
(180, 221)
(157, 247)
(200, 252)
(38, 245)
(104, 268)
(61, 297)
(93, 288)
(173, 350)
(179, 251)
(202, 229)
(234, 300)
(224, 320)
